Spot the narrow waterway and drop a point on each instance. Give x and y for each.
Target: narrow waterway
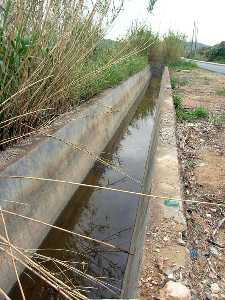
(103, 215)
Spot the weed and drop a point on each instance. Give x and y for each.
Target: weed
(173, 82)
(177, 102)
(173, 47)
(190, 164)
(183, 65)
(220, 92)
(188, 115)
(183, 82)
(217, 119)
(195, 114)
(53, 55)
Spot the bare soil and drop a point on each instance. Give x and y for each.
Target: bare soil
(201, 151)
(202, 157)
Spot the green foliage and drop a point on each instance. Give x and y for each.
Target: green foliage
(114, 75)
(190, 164)
(188, 115)
(174, 82)
(177, 102)
(220, 92)
(167, 50)
(215, 53)
(141, 35)
(52, 55)
(194, 114)
(173, 47)
(217, 119)
(183, 65)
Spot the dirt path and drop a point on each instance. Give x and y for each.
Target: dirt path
(201, 152)
(202, 157)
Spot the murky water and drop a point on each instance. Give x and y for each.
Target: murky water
(104, 215)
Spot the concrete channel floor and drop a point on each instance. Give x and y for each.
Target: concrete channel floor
(199, 253)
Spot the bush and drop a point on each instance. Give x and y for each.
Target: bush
(173, 47)
(53, 56)
(183, 65)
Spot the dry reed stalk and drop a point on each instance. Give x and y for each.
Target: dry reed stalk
(154, 197)
(64, 230)
(44, 274)
(6, 297)
(11, 251)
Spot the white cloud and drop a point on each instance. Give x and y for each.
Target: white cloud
(178, 15)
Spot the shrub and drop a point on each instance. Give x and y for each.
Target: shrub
(173, 47)
(53, 56)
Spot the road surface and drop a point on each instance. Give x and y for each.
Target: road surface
(218, 68)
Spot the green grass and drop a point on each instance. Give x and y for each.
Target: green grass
(177, 100)
(217, 119)
(183, 65)
(51, 60)
(114, 75)
(220, 92)
(174, 82)
(188, 115)
(190, 164)
(193, 115)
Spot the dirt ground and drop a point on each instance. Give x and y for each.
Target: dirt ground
(202, 158)
(201, 151)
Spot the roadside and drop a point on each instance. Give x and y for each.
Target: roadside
(201, 150)
(197, 256)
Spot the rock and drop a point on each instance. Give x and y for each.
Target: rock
(215, 288)
(214, 251)
(175, 291)
(181, 242)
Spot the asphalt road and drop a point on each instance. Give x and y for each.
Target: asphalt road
(218, 68)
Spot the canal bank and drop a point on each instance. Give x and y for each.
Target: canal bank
(85, 134)
(104, 215)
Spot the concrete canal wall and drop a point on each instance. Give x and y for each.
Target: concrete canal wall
(91, 127)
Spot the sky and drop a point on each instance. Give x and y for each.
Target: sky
(178, 15)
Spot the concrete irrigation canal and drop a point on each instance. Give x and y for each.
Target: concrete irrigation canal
(109, 142)
(104, 215)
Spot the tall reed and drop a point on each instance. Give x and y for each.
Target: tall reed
(46, 46)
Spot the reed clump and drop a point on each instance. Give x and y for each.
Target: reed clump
(54, 56)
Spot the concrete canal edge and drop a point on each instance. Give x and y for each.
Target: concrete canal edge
(93, 125)
(166, 249)
(163, 180)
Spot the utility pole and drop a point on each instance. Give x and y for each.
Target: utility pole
(194, 40)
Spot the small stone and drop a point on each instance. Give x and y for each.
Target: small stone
(214, 251)
(215, 288)
(208, 215)
(171, 276)
(175, 291)
(181, 242)
(166, 239)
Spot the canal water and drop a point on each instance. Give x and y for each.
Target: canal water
(100, 214)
